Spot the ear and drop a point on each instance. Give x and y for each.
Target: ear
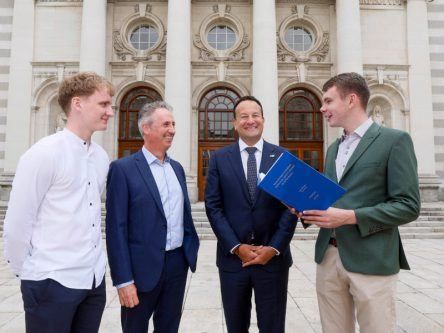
(76, 103)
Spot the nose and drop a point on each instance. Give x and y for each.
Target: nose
(322, 109)
(110, 111)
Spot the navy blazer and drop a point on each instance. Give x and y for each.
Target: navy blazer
(136, 227)
(234, 217)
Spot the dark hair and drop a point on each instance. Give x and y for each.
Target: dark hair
(247, 98)
(347, 83)
(81, 84)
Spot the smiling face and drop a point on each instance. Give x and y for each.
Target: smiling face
(335, 108)
(159, 134)
(94, 111)
(249, 122)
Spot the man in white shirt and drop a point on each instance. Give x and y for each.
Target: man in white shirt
(52, 230)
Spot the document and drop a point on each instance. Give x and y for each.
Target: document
(298, 185)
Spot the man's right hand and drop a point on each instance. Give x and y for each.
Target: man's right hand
(128, 296)
(247, 252)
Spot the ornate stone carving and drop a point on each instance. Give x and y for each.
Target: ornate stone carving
(209, 54)
(321, 52)
(124, 49)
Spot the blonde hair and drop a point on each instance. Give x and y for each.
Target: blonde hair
(82, 84)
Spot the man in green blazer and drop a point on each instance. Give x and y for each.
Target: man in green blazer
(359, 251)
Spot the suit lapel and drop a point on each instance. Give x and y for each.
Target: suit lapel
(148, 178)
(365, 142)
(236, 162)
(269, 156)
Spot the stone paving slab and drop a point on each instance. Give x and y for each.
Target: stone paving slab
(420, 298)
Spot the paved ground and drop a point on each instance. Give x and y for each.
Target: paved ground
(420, 304)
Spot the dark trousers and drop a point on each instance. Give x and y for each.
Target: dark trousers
(53, 308)
(165, 300)
(270, 296)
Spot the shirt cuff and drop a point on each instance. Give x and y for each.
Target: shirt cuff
(234, 248)
(277, 252)
(124, 284)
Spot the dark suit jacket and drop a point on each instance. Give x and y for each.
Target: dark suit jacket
(382, 188)
(234, 218)
(136, 226)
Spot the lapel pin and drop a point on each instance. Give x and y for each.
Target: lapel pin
(272, 155)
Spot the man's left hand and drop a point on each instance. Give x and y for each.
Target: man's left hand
(330, 218)
(264, 254)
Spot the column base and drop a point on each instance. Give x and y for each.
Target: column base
(429, 187)
(6, 179)
(193, 190)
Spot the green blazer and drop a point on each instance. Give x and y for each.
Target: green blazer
(381, 180)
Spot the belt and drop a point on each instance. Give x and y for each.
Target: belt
(333, 242)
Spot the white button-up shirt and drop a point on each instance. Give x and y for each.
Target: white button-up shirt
(348, 146)
(257, 154)
(53, 224)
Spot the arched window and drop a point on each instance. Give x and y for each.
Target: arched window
(299, 116)
(216, 114)
(130, 139)
(300, 126)
(215, 127)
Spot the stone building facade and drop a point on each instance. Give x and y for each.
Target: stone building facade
(201, 55)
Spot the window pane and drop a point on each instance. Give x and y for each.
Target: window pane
(298, 39)
(143, 37)
(221, 37)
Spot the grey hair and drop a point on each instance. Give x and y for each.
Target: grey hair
(147, 110)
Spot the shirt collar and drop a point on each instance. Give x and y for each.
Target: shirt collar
(259, 145)
(360, 131)
(150, 158)
(74, 138)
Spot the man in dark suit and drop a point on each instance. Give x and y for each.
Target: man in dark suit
(359, 250)
(252, 228)
(150, 236)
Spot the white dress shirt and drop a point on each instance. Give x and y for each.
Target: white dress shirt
(53, 222)
(244, 154)
(348, 146)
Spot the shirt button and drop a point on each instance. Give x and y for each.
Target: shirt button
(93, 225)
(90, 203)
(89, 183)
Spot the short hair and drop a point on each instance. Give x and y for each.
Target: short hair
(247, 98)
(348, 83)
(81, 84)
(147, 110)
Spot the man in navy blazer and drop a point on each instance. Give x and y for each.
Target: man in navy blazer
(150, 235)
(253, 229)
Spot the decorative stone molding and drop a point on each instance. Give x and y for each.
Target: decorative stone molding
(382, 2)
(320, 48)
(222, 16)
(122, 46)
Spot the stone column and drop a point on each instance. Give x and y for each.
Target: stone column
(178, 82)
(348, 32)
(420, 94)
(93, 36)
(93, 43)
(265, 73)
(20, 83)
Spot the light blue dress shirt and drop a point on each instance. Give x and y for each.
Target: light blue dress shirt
(171, 195)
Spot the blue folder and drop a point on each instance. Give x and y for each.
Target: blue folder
(298, 185)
